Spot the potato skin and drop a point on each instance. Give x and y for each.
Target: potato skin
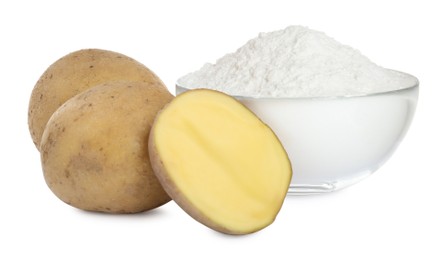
(75, 73)
(94, 149)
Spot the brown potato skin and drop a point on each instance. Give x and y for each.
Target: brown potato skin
(94, 149)
(75, 73)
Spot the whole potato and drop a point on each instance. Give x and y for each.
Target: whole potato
(94, 149)
(75, 73)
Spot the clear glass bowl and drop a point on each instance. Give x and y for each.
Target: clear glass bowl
(334, 142)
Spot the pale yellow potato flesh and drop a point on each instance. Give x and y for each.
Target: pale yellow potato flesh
(220, 162)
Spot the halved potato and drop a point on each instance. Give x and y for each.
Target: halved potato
(219, 162)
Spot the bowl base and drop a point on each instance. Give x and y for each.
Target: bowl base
(326, 187)
(307, 189)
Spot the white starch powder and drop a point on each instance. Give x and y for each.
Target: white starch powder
(295, 62)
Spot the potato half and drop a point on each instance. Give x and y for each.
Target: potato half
(94, 149)
(219, 162)
(75, 73)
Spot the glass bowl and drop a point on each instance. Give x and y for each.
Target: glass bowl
(333, 142)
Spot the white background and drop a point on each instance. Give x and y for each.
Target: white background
(393, 214)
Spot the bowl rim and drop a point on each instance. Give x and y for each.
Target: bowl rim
(415, 85)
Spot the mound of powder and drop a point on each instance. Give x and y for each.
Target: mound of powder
(295, 62)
